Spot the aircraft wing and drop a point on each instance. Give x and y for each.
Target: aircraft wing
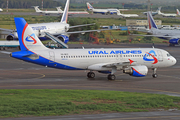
(9, 30)
(82, 32)
(81, 25)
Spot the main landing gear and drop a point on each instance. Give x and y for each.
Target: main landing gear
(109, 77)
(154, 75)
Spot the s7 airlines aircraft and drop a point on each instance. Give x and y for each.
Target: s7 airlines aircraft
(172, 35)
(126, 15)
(72, 12)
(45, 12)
(153, 13)
(133, 61)
(166, 14)
(101, 11)
(57, 29)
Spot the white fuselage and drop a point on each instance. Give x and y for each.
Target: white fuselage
(170, 33)
(104, 11)
(55, 28)
(83, 58)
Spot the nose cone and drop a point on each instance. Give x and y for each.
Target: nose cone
(173, 61)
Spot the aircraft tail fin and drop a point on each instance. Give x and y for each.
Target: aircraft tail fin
(37, 8)
(177, 11)
(27, 38)
(89, 6)
(118, 12)
(159, 10)
(59, 9)
(65, 13)
(151, 21)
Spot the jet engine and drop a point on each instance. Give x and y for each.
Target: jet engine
(11, 37)
(175, 41)
(63, 38)
(137, 71)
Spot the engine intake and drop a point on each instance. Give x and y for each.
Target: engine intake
(137, 71)
(63, 38)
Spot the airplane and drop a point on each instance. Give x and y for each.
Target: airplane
(45, 12)
(166, 14)
(101, 11)
(57, 29)
(72, 12)
(132, 61)
(171, 35)
(153, 13)
(126, 15)
(1, 9)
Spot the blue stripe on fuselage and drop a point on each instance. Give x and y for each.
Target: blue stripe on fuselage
(24, 55)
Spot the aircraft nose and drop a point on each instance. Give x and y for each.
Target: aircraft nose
(173, 61)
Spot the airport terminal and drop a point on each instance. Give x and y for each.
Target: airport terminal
(88, 60)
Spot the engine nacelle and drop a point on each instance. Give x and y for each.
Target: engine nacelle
(175, 41)
(11, 37)
(137, 71)
(63, 38)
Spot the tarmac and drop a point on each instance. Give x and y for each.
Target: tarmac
(17, 74)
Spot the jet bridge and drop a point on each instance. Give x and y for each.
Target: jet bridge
(56, 40)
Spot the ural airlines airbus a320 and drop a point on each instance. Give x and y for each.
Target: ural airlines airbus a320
(57, 29)
(132, 61)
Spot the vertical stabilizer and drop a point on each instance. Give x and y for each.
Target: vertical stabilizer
(151, 21)
(65, 13)
(37, 9)
(89, 6)
(27, 38)
(177, 11)
(118, 12)
(59, 9)
(159, 10)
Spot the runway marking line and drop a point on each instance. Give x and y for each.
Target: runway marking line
(143, 118)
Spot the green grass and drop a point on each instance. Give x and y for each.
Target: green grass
(21, 103)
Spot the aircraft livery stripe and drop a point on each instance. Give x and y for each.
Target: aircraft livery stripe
(23, 35)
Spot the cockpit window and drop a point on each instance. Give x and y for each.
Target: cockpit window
(168, 55)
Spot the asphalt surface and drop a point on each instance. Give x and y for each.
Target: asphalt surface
(17, 74)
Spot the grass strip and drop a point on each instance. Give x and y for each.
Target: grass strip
(45, 102)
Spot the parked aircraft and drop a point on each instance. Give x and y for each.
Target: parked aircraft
(166, 14)
(72, 12)
(58, 29)
(153, 13)
(1, 9)
(171, 35)
(45, 12)
(8, 44)
(101, 11)
(133, 61)
(126, 15)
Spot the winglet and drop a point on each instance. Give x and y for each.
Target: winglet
(27, 38)
(151, 21)
(65, 13)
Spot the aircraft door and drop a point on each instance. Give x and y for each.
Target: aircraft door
(160, 56)
(51, 57)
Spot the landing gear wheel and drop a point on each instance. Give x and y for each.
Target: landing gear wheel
(155, 75)
(90, 75)
(111, 77)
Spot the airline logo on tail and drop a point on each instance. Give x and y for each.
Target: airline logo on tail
(178, 12)
(89, 6)
(31, 38)
(65, 14)
(147, 55)
(151, 21)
